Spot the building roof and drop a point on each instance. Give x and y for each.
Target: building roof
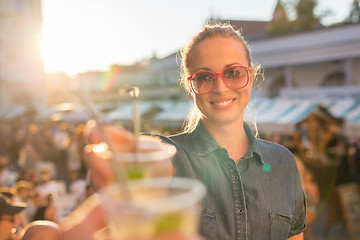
(252, 30)
(309, 47)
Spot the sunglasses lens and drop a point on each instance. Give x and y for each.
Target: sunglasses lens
(235, 77)
(202, 82)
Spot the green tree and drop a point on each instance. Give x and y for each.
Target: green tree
(354, 16)
(305, 17)
(280, 23)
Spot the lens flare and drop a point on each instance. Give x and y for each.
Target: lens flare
(99, 148)
(107, 79)
(267, 167)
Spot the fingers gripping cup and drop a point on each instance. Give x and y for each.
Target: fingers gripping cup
(159, 207)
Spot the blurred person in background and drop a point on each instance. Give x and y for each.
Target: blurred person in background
(313, 197)
(28, 155)
(47, 211)
(47, 184)
(7, 176)
(73, 154)
(45, 144)
(356, 161)
(89, 191)
(23, 190)
(35, 202)
(8, 221)
(344, 163)
(61, 140)
(77, 186)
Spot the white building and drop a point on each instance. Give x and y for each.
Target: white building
(21, 65)
(317, 64)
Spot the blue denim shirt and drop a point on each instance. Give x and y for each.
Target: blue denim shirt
(260, 197)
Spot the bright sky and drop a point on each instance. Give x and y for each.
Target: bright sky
(82, 35)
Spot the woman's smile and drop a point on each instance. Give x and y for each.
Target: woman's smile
(222, 103)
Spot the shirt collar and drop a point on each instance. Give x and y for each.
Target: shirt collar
(204, 143)
(253, 142)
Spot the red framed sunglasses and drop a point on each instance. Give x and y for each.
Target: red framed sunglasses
(234, 77)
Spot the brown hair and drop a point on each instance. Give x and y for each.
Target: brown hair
(210, 30)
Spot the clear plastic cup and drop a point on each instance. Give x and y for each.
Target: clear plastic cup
(156, 208)
(152, 160)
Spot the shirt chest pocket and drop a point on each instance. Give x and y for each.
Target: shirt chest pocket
(208, 226)
(280, 225)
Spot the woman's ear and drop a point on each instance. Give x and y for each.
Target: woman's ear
(251, 77)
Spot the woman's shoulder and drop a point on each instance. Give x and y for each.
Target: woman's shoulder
(271, 146)
(176, 139)
(273, 151)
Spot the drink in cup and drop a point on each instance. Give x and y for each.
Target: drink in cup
(153, 208)
(152, 160)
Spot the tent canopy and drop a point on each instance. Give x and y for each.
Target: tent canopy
(12, 112)
(282, 116)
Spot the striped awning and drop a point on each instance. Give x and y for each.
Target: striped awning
(12, 112)
(124, 111)
(176, 112)
(281, 115)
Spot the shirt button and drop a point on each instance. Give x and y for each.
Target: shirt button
(240, 211)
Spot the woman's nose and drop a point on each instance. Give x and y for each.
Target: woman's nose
(220, 85)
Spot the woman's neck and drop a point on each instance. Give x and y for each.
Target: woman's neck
(231, 137)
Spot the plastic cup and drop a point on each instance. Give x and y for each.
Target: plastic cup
(158, 207)
(153, 160)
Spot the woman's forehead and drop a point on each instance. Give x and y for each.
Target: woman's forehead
(218, 52)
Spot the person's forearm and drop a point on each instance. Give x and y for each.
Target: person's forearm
(84, 221)
(297, 237)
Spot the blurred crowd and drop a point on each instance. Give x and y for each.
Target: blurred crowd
(41, 164)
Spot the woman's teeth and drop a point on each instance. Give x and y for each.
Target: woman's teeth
(223, 103)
